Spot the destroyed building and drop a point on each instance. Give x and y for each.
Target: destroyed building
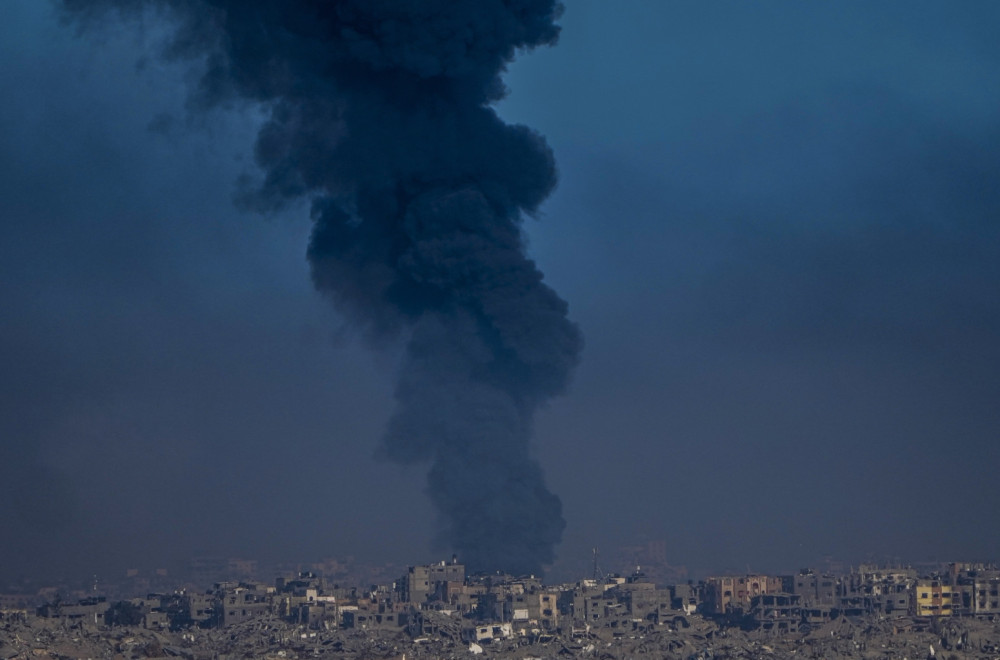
(436, 610)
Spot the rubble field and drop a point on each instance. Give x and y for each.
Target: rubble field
(866, 638)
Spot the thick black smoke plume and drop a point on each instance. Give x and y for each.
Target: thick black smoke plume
(380, 111)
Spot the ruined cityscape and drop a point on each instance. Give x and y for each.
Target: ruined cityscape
(224, 608)
(776, 223)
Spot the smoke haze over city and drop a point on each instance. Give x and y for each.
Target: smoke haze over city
(775, 225)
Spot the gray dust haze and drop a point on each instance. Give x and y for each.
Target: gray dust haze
(380, 113)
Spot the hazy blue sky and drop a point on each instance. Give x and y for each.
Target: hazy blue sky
(777, 226)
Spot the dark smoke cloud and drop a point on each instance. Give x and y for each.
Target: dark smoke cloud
(381, 113)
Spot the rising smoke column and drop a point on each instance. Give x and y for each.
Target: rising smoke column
(380, 112)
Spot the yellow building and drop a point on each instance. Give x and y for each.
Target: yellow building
(933, 598)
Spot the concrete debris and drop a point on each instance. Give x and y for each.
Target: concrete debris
(271, 637)
(437, 611)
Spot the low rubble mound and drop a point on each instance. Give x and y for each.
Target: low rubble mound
(271, 637)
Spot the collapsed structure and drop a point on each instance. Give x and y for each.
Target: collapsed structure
(488, 607)
(439, 611)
